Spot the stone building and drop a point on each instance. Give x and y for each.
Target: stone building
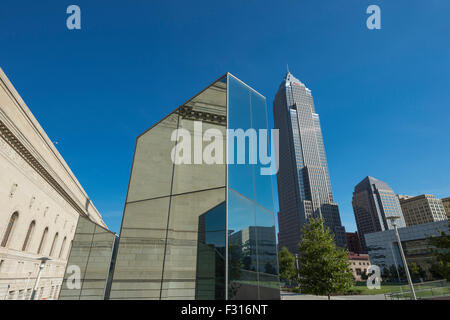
(359, 264)
(446, 204)
(40, 202)
(421, 209)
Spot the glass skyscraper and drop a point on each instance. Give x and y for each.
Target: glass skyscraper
(304, 188)
(373, 201)
(200, 230)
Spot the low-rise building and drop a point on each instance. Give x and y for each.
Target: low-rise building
(359, 264)
(384, 252)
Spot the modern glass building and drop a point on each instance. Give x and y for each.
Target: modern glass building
(304, 187)
(88, 268)
(373, 201)
(384, 251)
(198, 228)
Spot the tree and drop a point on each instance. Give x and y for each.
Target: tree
(414, 270)
(324, 268)
(286, 262)
(441, 251)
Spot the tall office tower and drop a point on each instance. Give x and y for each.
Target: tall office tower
(422, 209)
(195, 229)
(304, 188)
(373, 201)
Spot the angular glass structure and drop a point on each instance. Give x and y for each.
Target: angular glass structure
(194, 226)
(89, 264)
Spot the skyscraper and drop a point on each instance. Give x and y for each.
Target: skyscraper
(373, 201)
(304, 187)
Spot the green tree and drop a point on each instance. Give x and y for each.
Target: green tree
(286, 262)
(324, 268)
(414, 270)
(441, 251)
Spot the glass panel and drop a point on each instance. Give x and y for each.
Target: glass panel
(263, 183)
(97, 270)
(204, 118)
(91, 252)
(152, 164)
(240, 176)
(269, 286)
(242, 261)
(180, 263)
(210, 282)
(139, 263)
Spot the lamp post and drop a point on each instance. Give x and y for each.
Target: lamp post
(402, 254)
(41, 267)
(7, 290)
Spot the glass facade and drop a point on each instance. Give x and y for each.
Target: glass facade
(373, 201)
(198, 228)
(252, 253)
(89, 261)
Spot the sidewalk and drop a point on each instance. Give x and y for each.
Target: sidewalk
(299, 296)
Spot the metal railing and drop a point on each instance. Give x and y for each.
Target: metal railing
(424, 290)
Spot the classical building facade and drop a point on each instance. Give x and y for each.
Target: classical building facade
(373, 201)
(421, 209)
(40, 202)
(304, 187)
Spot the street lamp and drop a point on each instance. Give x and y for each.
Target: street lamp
(392, 219)
(41, 267)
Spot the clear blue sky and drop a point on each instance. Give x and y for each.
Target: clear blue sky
(383, 96)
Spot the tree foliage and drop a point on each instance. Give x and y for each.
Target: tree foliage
(286, 261)
(324, 268)
(441, 252)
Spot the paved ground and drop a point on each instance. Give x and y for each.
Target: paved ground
(298, 296)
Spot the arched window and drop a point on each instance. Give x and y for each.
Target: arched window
(62, 247)
(9, 229)
(53, 244)
(29, 235)
(44, 236)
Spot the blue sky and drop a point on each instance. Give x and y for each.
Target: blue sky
(382, 95)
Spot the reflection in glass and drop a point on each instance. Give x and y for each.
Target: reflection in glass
(91, 253)
(252, 253)
(187, 228)
(210, 279)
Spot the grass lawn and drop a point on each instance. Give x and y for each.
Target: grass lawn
(422, 289)
(385, 288)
